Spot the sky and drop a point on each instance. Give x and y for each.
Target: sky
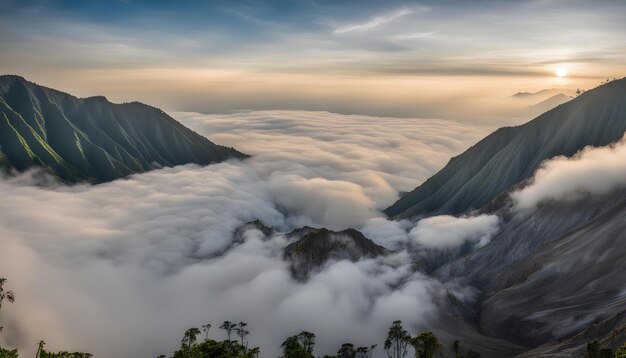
(430, 59)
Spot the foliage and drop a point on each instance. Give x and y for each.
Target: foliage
(206, 328)
(621, 352)
(299, 346)
(397, 341)
(595, 351)
(5, 353)
(228, 326)
(426, 345)
(346, 351)
(365, 352)
(212, 348)
(190, 337)
(45, 354)
(5, 295)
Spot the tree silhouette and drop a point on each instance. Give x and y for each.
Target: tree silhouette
(426, 345)
(371, 351)
(455, 348)
(365, 352)
(40, 348)
(397, 341)
(242, 333)
(307, 339)
(346, 351)
(228, 326)
(299, 346)
(254, 352)
(206, 328)
(5, 295)
(191, 336)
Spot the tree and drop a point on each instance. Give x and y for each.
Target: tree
(40, 348)
(5, 295)
(365, 352)
(242, 332)
(371, 351)
(307, 339)
(254, 352)
(228, 326)
(621, 352)
(346, 351)
(595, 351)
(191, 336)
(397, 341)
(455, 348)
(426, 345)
(206, 328)
(5, 353)
(293, 347)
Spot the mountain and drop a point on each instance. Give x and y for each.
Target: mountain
(92, 139)
(565, 284)
(512, 154)
(520, 235)
(314, 247)
(547, 104)
(537, 96)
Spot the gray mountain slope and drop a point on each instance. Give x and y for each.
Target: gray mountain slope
(611, 333)
(92, 139)
(511, 154)
(553, 279)
(563, 287)
(520, 235)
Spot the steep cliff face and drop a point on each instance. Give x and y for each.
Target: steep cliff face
(92, 139)
(510, 155)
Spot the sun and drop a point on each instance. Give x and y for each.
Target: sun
(560, 72)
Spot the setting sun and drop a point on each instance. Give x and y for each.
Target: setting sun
(561, 72)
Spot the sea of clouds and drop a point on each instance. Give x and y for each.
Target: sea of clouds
(122, 269)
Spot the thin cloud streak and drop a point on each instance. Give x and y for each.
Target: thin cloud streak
(379, 20)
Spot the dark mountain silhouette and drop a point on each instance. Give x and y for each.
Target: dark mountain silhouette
(512, 154)
(314, 247)
(92, 139)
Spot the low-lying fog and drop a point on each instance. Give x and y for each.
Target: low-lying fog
(122, 269)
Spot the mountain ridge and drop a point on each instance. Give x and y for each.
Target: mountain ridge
(91, 139)
(512, 154)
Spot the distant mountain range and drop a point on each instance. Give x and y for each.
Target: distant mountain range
(512, 154)
(92, 139)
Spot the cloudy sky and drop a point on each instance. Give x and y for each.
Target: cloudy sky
(435, 59)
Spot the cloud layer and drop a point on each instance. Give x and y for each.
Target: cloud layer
(123, 268)
(444, 231)
(592, 171)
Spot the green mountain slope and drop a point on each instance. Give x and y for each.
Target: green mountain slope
(92, 139)
(512, 154)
